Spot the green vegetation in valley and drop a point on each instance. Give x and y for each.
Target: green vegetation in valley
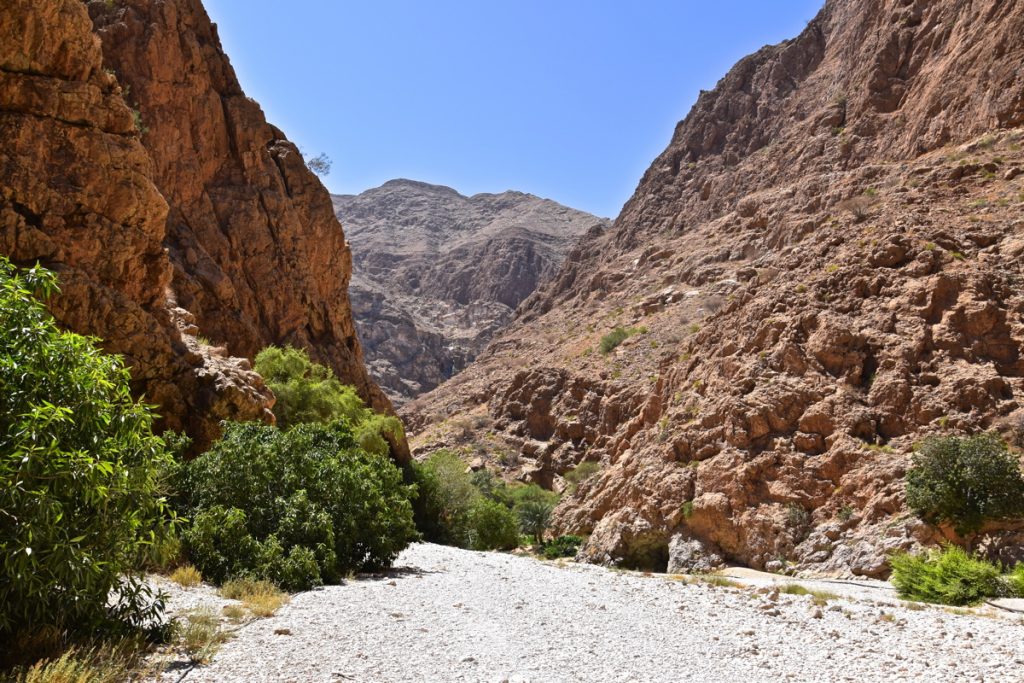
(563, 546)
(951, 576)
(476, 510)
(309, 393)
(299, 507)
(82, 492)
(965, 481)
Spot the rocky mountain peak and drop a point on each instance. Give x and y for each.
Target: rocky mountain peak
(437, 273)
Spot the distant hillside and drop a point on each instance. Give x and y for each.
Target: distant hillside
(437, 274)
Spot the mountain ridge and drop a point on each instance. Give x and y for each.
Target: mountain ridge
(438, 273)
(818, 271)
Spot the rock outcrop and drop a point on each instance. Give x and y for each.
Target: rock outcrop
(136, 167)
(438, 274)
(821, 269)
(77, 195)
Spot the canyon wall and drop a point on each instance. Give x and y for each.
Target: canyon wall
(821, 269)
(184, 227)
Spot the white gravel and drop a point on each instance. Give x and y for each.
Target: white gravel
(454, 615)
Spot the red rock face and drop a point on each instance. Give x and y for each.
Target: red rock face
(78, 196)
(259, 257)
(821, 269)
(135, 166)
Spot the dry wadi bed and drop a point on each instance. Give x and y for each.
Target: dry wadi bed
(446, 614)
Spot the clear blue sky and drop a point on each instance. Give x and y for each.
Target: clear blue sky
(567, 99)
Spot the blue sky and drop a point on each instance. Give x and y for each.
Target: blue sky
(567, 99)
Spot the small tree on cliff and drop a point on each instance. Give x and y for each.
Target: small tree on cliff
(320, 164)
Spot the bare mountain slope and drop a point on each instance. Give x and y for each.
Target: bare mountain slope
(823, 267)
(437, 274)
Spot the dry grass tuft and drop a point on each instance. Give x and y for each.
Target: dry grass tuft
(819, 598)
(200, 635)
(262, 598)
(186, 576)
(234, 612)
(720, 581)
(108, 663)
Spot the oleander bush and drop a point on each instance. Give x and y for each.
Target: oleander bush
(298, 508)
(965, 481)
(445, 496)
(492, 526)
(81, 476)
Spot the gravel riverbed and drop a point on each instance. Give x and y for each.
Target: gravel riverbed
(446, 614)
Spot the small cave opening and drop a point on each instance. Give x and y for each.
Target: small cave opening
(647, 554)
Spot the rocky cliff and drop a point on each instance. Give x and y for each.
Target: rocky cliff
(136, 167)
(437, 274)
(822, 268)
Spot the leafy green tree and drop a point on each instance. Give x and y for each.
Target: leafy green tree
(965, 481)
(492, 526)
(81, 493)
(298, 507)
(308, 392)
(468, 510)
(446, 496)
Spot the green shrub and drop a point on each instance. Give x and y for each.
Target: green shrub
(1016, 580)
(531, 493)
(81, 493)
(611, 341)
(298, 508)
(445, 497)
(965, 481)
(468, 510)
(949, 576)
(308, 392)
(492, 526)
(563, 546)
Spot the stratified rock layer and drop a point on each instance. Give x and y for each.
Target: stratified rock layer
(821, 269)
(438, 274)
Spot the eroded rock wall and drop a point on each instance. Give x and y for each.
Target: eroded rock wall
(77, 194)
(821, 269)
(259, 257)
(184, 227)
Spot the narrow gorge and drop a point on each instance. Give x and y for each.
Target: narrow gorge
(767, 423)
